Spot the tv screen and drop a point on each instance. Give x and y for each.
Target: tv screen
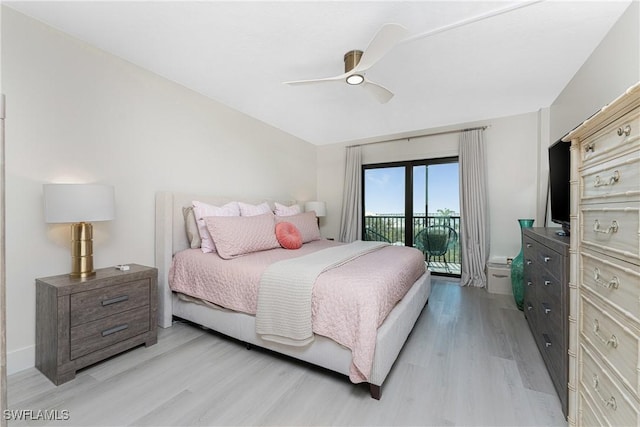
(559, 175)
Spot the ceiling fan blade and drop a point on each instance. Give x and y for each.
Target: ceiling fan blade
(385, 39)
(379, 92)
(471, 20)
(341, 77)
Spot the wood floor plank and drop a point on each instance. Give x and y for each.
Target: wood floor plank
(470, 360)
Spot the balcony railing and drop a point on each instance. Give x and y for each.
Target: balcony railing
(392, 228)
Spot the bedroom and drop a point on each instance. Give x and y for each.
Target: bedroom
(124, 125)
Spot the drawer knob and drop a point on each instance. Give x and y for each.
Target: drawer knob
(626, 131)
(590, 147)
(529, 307)
(613, 341)
(528, 262)
(546, 259)
(115, 300)
(614, 283)
(529, 283)
(546, 308)
(613, 228)
(611, 181)
(115, 329)
(611, 402)
(547, 282)
(547, 340)
(529, 245)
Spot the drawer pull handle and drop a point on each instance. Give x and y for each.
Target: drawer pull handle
(612, 180)
(546, 308)
(115, 329)
(115, 300)
(626, 131)
(614, 283)
(547, 341)
(546, 259)
(547, 282)
(611, 402)
(613, 341)
(613, 228)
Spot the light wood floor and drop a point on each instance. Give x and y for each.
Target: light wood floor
(470, 360)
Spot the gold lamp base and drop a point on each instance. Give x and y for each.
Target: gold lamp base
(82, 250)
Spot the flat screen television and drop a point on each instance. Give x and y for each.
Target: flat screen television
(559, 188)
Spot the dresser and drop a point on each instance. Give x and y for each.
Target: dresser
(546, 300)
(604, 341)
(81, 321)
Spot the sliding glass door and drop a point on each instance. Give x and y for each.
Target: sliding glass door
(415, 203)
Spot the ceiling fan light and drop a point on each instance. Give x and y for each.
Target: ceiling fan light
(355, 79)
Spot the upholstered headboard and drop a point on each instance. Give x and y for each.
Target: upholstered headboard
(171, 237)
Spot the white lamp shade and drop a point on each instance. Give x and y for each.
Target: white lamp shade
(320, 208)
(74, 203)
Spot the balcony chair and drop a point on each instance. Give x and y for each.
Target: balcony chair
(435, 241)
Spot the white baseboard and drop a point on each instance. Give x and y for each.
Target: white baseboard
(21, 359)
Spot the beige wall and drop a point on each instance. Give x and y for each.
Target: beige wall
(611, 69)
(78, 114)
(512, 164)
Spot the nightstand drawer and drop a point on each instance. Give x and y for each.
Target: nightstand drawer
(93, 336)
(100, 303)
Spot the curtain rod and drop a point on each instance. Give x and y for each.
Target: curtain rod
(420, 136)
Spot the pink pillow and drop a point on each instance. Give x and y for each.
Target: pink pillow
(288, 235)
(203, 210)
(306, 223)
(240, 235)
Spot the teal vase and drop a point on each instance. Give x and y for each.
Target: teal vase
(517, 267)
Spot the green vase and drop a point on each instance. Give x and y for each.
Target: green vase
(517, 268)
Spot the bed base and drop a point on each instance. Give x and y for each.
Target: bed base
(323, 352)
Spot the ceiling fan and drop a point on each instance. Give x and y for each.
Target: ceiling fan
(357, 62)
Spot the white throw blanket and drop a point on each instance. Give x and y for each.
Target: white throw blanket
(284, 297)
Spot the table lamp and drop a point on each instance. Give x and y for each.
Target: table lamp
(79, 204)
(320, 209)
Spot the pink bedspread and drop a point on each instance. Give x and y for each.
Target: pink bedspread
(349, 303)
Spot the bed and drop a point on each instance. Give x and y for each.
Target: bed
(172, 241)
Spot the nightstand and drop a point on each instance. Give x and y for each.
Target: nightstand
(82, 321)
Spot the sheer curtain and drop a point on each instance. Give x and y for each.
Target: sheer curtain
(474, 228)
(351, 219)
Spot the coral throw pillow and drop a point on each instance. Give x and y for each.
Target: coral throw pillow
(288, 235)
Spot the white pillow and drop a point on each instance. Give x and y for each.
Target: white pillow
(282, 210)
(203, 210)
(252, 210)
(236, 236)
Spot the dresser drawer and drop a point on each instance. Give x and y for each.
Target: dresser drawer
(100, 303)
(96, 335)
(620, 135)
(612, 229)
(618, 346)
(613, 181)
(617, 407)
(613, 280)
(588, 415)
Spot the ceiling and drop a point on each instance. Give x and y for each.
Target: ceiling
(239, 53)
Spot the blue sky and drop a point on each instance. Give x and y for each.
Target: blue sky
(384, 189)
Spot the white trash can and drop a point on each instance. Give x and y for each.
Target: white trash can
(499, 278)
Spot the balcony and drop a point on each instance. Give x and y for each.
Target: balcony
(391, 228)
